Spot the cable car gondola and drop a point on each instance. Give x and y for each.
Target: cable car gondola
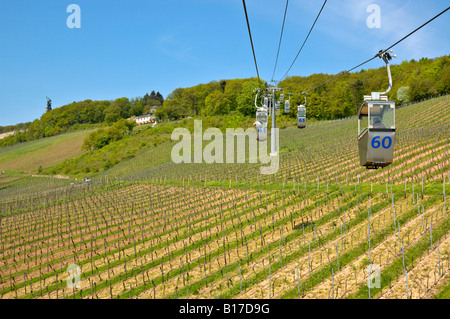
(261, 123)
(301, 115)
(287, 105)
(376, 127)
(261, 119)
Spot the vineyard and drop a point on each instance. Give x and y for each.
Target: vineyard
(154, 229)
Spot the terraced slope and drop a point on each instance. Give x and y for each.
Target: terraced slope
(153, 229)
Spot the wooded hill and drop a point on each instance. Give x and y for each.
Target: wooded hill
(413, 81)
(81, 115)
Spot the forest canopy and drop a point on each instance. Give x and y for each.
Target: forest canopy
(413, 81)
(88, 112)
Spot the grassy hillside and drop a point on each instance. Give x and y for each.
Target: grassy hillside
(154, 229)
(29, 156)
(144, 142)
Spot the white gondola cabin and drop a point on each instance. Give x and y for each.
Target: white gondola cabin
(376, 126)
(376, 133)
(261, 123)
(301, 116)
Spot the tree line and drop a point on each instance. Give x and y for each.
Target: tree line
(413, 81)
(14, 128)
(214, 98)
(78, 114)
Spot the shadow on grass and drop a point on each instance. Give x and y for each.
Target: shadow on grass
(305, 224)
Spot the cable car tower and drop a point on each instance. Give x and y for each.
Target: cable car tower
(273, 133)
(376, 126)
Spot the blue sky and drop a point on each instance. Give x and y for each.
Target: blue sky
(126, 48)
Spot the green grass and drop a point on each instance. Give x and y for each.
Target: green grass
(445, 291)
(29, 156)
(14, 151)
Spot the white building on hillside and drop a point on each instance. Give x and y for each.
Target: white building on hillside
(145, 119)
